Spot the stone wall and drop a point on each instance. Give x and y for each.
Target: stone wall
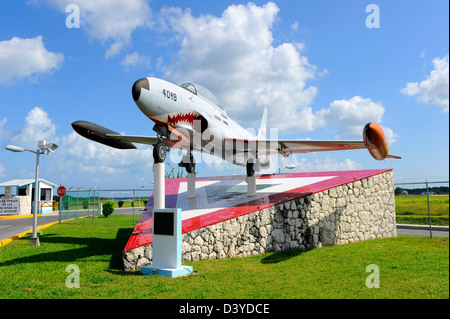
(357, 211)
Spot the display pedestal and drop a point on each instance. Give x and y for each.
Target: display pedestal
(251, 185)
(191, 185)
(159, 173)
(167, 245)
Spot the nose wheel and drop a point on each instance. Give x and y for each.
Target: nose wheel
(159, 153)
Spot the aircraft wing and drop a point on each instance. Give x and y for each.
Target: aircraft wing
(374, 141)
(296, 146)
(178, 141)
(287, 147)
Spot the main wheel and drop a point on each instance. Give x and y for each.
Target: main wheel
(159, 153)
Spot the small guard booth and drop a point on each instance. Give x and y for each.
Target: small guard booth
(19, 197)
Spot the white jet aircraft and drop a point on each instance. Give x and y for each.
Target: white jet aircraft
(191, 118)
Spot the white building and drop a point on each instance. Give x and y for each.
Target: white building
(22, 202)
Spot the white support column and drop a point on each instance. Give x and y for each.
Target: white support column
(191, 185)
(251, 185)
(160, 187)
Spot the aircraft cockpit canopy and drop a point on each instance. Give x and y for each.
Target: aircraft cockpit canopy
(203, 92)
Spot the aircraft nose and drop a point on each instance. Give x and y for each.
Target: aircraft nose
(137, 86)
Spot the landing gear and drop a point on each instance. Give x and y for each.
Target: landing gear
(159, 153)
(251, 178)
(250, 169)
(188, 163)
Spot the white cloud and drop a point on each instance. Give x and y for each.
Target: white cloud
(91, 157)
(351, 115)
(109, 21)
(24, 58)
(2, 123)
(38, 126)
(435, 87)
(319, 164)
(234, 56)
(76, 154)
(135, 59)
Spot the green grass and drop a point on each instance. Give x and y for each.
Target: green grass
(410, 267)
(414, 210)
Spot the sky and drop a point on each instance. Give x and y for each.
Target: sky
(322, 68)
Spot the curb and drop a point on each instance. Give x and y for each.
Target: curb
(423, 227)
(8, 240)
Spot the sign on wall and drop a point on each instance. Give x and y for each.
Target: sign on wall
(9, 206)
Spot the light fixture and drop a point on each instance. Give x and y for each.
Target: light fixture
(43, 147)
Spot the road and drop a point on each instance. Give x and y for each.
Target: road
(15, 226)
(419, 230)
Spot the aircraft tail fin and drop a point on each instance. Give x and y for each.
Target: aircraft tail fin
(263, 128)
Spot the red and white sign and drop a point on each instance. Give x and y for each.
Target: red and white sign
(61, 191)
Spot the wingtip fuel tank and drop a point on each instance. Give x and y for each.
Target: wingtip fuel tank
(98, 134)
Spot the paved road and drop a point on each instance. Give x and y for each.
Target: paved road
(419, 230)
(15, 226)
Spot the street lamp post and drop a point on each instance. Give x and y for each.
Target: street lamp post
(43, 147)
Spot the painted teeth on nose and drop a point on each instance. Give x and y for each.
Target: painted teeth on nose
(137, 86)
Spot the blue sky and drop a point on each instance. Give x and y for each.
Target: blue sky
(316, 65)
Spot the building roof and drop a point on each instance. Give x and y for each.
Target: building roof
(23, 182)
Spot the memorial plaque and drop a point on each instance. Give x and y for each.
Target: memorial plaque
(163, 223)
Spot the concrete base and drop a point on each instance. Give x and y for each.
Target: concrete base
(171, 273)
(191, 185)
(251, 186)
(34, 242)
(294, 211)
(159, 173)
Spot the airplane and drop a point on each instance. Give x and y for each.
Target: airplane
(191, 118)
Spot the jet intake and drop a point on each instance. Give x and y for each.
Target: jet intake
(137, 86)
(375, 141)
(98, 133)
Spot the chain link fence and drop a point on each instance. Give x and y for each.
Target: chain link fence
(81, 202)
(422, 208)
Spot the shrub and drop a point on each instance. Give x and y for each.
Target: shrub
(120, 203)
(108, 208)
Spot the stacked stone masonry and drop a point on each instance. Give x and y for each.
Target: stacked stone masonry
(361, 210)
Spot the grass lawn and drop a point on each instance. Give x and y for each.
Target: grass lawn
(414, 210)
(409, 267)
